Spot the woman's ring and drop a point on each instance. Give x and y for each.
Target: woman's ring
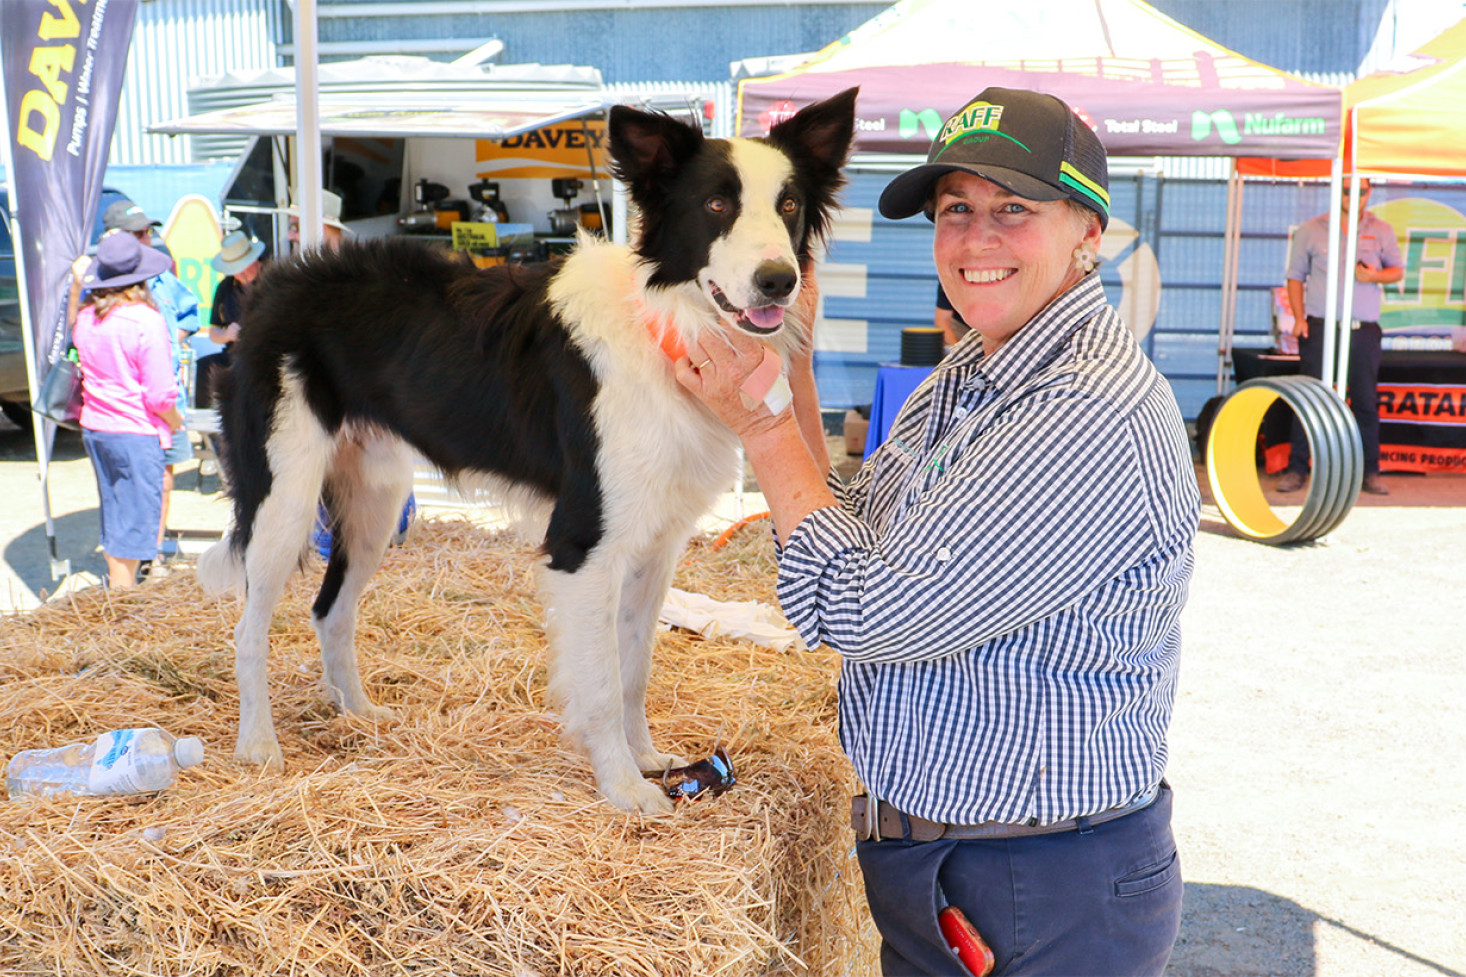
(703, 365)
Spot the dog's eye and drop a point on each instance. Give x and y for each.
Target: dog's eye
(788, 206)
(717, 205)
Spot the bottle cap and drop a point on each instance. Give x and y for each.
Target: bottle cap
(188, 751)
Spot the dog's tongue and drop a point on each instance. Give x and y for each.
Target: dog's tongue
(765, 318)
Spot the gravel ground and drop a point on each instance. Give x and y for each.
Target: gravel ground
(1318, 737)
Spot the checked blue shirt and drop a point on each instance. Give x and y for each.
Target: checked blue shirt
(1003, 578)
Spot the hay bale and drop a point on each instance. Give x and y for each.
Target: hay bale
(464, 839)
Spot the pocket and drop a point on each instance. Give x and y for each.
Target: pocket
(1150, 878)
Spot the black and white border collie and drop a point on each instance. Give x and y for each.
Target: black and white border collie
(549, 386)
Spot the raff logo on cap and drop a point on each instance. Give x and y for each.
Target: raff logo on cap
(980, 119)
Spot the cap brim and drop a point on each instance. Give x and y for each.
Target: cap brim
(910, 192)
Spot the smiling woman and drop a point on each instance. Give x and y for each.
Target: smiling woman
(1003, 579)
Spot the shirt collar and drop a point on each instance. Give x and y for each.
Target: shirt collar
(1035, 343)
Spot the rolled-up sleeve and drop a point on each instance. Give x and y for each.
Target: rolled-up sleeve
(1018, 523)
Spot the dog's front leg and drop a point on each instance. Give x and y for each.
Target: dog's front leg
(642, 595)
(585, 681)
(257, 742)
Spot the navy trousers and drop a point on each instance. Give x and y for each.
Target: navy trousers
(1101, 900)
(1363, 389)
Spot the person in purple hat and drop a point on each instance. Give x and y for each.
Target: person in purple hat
(1004, 577)
(129, 399)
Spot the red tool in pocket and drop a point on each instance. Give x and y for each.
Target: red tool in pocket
(965, 941)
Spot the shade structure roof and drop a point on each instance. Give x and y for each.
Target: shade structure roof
(1148, 85)
(1406, 120)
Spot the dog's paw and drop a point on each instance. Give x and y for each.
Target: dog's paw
(653, 762)
(265, 753)
(641, 796)
(374, 713)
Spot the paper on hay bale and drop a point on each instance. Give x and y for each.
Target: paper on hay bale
(463, 839)
(744, 620)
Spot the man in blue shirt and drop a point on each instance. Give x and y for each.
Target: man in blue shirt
(1378, 263)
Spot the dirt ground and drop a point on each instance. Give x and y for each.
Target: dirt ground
(1318, 740)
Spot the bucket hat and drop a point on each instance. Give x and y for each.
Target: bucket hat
(124, 215)
(123, 260)
(1030, 144)
(236, 252)
(330, 208)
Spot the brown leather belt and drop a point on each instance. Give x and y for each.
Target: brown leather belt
(893, 825)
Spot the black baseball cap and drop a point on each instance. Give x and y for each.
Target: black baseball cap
(124, 215)
(1028, 143)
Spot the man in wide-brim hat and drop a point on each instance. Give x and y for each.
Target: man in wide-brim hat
(238, 261)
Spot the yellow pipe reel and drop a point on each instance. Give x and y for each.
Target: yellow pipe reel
(1333, 441)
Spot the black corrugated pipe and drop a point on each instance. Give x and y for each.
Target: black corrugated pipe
(1333, 441)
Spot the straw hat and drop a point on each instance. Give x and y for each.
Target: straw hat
(330, 207)
(123, 260)
(236, 252)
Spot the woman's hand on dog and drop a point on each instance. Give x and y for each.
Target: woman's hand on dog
(715, 372)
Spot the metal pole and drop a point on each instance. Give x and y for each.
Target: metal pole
(1346, 313)
(1331, 297)
(1230, 258)
(309, 182)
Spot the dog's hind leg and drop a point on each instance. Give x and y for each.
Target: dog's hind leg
(364, 495)
(580, 611)
(299, 450)
(642, 595)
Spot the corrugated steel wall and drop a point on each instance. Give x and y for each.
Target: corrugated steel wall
(174, 43)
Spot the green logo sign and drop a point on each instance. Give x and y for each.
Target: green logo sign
(1253, 124)
(912, 124)
(1202, 122)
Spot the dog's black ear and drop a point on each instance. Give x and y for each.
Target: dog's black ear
(820, 133)
(646, 147)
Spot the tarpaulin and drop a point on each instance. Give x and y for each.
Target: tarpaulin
(1146, 84)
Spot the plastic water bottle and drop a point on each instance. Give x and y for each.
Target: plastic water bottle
(123, 761)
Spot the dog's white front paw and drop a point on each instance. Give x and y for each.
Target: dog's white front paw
(261, 750)
(639, 795)
(654, 762)
(375, 713)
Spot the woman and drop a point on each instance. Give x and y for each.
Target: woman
(1004, 577)
(238, 261)
(129, 390)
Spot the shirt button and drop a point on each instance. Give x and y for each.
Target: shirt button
(944, 554)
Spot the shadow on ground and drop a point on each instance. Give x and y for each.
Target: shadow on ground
(1238, 931)
(77, 539)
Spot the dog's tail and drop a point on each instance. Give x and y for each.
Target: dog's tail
(221, 569)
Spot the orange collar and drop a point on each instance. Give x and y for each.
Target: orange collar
(666, 337)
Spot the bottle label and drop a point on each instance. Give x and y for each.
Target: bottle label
(114, 769)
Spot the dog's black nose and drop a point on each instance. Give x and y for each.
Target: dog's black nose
(775, 279)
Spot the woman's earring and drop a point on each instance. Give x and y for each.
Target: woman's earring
(1083, 260)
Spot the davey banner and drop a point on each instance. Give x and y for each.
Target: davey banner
(63, 64)
(1135, 109)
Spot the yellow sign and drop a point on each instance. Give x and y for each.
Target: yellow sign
(1431, 297)
(474, 236)
(192, 233)
(561, 150)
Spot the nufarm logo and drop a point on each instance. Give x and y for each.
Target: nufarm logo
(1253, 124)
(1226, 126)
